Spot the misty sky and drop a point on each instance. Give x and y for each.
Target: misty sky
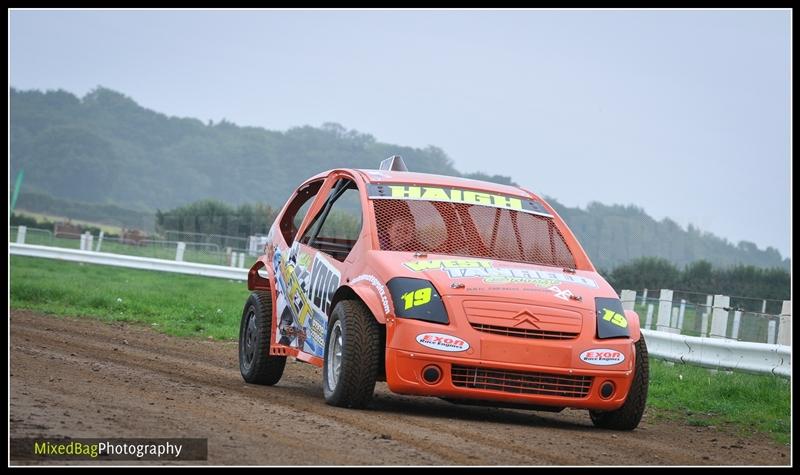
(683, 113)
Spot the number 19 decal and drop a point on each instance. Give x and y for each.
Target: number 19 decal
(417, 298)
(615, 318)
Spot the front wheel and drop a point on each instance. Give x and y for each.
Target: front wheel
(628, 416)
(352, 355)
(255, 362)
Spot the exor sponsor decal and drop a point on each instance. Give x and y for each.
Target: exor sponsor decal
(602, 357)
(442, 342)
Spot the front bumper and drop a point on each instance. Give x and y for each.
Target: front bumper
(464, 378)
(506, 369)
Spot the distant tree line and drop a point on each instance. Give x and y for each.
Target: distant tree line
(656, 273)
(613, 235)
(216, 217)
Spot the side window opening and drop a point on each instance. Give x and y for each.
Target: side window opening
(296, 212)
(336, 228)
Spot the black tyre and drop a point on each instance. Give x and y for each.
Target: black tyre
(628, 416)
(255, 362)
(352, 355)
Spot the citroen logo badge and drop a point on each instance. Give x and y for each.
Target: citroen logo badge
(526, 317)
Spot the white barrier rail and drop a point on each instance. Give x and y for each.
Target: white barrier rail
(709, 352)
(720, 353)
(134, 262)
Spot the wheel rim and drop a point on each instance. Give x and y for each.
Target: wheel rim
(250, 334)
(334, 365)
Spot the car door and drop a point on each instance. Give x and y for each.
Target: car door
(310, 271)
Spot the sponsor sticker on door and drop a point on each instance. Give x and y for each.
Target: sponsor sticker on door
(442, 342)
(602, 357)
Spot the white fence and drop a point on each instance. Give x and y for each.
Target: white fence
(134, 262)
(713, 316)
(709, 352)
(201, 251)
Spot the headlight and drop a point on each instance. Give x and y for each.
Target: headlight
(611, 321)
(417, 299)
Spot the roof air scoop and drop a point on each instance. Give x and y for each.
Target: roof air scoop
(394, 163)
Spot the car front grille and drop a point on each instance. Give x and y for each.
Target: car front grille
(522, 318)
(520, 382)
(524, 332)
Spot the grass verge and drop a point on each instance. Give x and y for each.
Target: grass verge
(176, 304)
(703, 398)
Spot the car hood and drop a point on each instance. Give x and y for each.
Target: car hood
(467, 276)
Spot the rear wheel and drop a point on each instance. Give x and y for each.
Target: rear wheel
(628, 416)
(255, 362)
(352, 355)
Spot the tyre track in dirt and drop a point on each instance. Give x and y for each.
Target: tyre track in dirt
(83, 378)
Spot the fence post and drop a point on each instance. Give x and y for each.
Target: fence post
(649, 321)
(83, 242)
(704, 317)
(664, 310)
(89, 239)
(764, 306)
(719, 316)
(673, 321)
(785, 327)
(644, 296)
(628, 298)
(99, 241)
(737, 316)
(681, 311)
(771, 332)
(241, 259)
(179, 251)
(21, 231)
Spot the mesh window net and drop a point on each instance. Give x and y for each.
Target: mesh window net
(470, 230)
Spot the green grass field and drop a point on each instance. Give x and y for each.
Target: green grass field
(201, 307)
(176, 304)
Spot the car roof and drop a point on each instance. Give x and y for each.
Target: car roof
(390, 176)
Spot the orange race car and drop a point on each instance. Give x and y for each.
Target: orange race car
(470, 291)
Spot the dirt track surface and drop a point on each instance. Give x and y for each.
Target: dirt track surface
(83, 378)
